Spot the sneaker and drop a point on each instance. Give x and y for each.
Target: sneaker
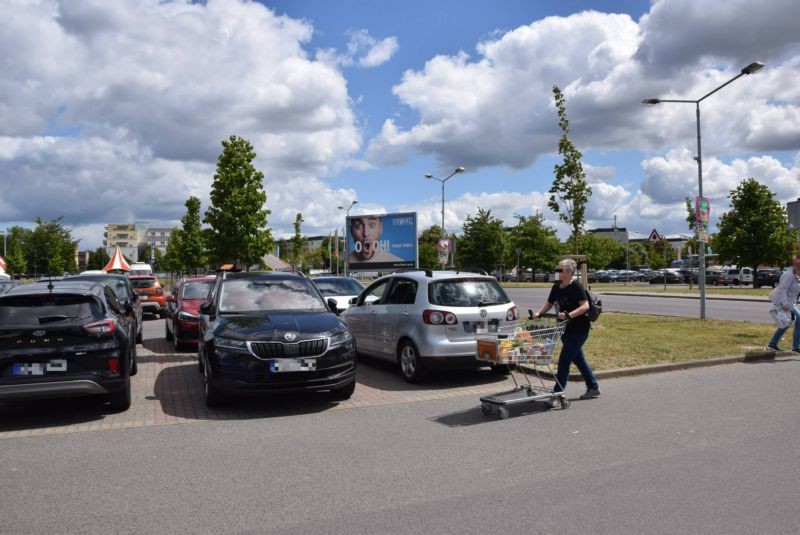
(591, 393)
(774, 348)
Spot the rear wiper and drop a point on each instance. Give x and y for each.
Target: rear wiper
(487, 303)
(59, 317)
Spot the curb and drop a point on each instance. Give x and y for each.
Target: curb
(667, 367)
(696, 297)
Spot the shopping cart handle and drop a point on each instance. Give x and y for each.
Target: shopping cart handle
(545, 315)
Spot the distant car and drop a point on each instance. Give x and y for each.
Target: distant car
(716, 277)
(739, 277)
(121, 286)
(272, 332)
(141, 268)
(672, 277)
(182, 310)
(427, 320)
(767, 277)
(66, 338)
(151, 294)
(340, 289)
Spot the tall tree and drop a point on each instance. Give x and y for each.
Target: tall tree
(601, 252)
(237, 215)
(173, 259)
(50, 248)
(755, 230)
(428, 248)
(297, 241)
(482, 242)
(98, 258)
(538, 244)
(16, 261)
(193, 250)
(570, 193)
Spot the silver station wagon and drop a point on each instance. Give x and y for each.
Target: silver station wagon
(428, 320)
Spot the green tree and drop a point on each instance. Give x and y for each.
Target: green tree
(193, 250)
(16, 261)
(428, 248)
(50, 248)
(237, 216)
(98, 258)
(755, 230)
(570, 193)
(173, 259)
(538, 244)
(482, 242)
(297, 241)
(601, 252)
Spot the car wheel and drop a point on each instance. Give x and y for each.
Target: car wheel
(176, 342)
(410, 364)
(139, 334)
(134, 364)
(344, 392)
(211, 395)
(167, 332)
(500, 369)
(121, 400)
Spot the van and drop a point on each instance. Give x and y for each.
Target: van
(741, 276)
(140, 268)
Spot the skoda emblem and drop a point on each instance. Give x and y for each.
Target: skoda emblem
(483, 312)
(39, 333)
(289, 337)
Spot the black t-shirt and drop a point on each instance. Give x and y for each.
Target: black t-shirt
(568, 299)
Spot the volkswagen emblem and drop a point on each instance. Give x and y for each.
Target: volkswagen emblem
(39, 333)
(289, 337)
(483, 313)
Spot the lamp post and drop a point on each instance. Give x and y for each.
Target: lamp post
(347, 214)
(750, 69)
(443, 180)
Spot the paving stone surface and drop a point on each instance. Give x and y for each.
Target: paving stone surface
(168, 390)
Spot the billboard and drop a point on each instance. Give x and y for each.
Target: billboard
(381, 242)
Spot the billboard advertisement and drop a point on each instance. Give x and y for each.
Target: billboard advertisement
(381, 242)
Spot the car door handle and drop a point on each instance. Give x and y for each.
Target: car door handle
(404, 314)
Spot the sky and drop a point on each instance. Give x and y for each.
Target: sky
(114, 112)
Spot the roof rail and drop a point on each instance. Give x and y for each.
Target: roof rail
(428, 272)
(479, 271)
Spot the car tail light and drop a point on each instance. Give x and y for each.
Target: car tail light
(101, 328)
(113, 365)
(439, 317)
(512, 314)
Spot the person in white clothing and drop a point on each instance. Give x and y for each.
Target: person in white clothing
(785, 296)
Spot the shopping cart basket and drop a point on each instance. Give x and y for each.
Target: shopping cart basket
(528, 347)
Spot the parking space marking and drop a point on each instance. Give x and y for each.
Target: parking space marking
(168, 390)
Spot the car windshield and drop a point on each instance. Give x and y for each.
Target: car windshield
(342, 286)
(196, 290)
(47, 309)
(467, 293)
(265, 295)
(143, 283)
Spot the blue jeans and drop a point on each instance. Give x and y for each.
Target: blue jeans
(795, 337)
(572, 352)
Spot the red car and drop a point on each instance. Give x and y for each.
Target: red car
(183, 309)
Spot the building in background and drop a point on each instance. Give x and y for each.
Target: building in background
(158, 237)
(124, 236)
(793, 209)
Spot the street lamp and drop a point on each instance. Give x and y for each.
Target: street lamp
(443, 180)
(347, 214)
(750, 69)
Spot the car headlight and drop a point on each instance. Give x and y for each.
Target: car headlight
(185, 316)
(344, 337)
(231, 344)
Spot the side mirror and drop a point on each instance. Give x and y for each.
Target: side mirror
(333, 306)
(127, 306)
(207, 308)
(171, 298)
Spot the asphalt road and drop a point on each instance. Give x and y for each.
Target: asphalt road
(709, 450)
(752, 310)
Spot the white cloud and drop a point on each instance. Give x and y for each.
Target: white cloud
(363, 50)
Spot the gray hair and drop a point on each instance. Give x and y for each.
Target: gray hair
(569, 265)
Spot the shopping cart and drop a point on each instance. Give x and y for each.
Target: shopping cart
(532, 343)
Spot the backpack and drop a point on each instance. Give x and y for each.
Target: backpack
(595, 306)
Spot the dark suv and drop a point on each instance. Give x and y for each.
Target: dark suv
(269, 333)
(66, 338)
(767, 277)
(121, 286)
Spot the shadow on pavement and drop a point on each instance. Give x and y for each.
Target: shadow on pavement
(47, 413)
(475, 416)
(179, 390)
(384, 375)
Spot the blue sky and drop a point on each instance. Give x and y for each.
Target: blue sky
(113, 112)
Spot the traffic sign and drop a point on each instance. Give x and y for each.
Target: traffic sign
(655, 237)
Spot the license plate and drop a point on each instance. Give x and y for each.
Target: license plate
(481, 327)
(39, 368)
(142, 298)
(292, 365)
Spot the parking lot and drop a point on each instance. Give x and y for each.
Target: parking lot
(168, 390)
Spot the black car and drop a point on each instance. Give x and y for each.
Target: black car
(121, 286)
(672, 277)
(767, 277)
(66, 338)
(270, 333)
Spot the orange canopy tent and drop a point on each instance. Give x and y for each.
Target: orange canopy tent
(117, 262)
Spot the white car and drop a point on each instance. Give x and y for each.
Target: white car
(427, 320)
(340, 289)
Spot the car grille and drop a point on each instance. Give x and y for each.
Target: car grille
(277, 350)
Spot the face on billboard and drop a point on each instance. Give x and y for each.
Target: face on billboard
(366, 233)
